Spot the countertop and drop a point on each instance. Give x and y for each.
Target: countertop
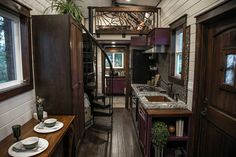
(27, 131)
(156, 105)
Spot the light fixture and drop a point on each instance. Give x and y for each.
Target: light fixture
(128, 0)
(113, 42)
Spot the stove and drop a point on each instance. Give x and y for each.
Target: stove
(146, 89)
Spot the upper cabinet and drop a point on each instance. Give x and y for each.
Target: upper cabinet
(158, 40)
(138, 41)
(158, 36)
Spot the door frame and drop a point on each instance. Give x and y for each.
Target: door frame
(126, 46)
(200, 67)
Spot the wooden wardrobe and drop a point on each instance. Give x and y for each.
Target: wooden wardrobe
(58, 67)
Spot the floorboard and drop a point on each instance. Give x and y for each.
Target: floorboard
(121, 142)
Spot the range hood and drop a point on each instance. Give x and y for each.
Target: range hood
(157, 49)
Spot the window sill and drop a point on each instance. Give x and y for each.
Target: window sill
(176, 80)
(15, 90)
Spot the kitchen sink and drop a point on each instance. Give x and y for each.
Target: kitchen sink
(158, 99)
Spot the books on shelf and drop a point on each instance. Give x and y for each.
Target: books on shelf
(179, 128)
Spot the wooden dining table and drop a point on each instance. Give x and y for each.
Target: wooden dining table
(54, 138)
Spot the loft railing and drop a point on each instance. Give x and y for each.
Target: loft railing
(123, 20)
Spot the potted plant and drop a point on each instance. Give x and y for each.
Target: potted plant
(66, 7)
(160, 136)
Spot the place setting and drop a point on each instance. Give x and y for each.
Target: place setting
(48, 125)
(27, 147)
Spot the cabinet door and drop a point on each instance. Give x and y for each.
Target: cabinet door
(142, 128)
(77, 78)
(79, 41)
(118, 85)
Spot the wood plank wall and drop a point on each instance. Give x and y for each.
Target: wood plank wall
(172, 10)
(18, 110)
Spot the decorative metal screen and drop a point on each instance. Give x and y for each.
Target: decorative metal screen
(125, 21)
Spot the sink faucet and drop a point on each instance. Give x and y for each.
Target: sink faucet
(169, 87)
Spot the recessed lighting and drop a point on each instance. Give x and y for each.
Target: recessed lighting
(128, 0)
(113, 42)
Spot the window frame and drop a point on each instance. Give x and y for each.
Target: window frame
(113, 60)
(23, 12)
(224, 86)
(17, 52)
(175, 26)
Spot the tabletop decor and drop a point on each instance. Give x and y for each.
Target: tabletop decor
(19, 150)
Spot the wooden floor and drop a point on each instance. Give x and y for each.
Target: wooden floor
(122, 142)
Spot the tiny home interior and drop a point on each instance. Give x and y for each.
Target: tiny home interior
(118, 78)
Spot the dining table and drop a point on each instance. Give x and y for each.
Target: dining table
(64, 135)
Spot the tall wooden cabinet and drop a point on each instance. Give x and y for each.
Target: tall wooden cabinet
(58, 66)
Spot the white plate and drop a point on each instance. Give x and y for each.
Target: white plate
(43, 144)
(46, 130)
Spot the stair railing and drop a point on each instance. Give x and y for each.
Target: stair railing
(111, 70)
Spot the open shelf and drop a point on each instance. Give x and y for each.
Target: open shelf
(178, 138)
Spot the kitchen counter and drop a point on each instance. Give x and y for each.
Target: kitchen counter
(155, 91)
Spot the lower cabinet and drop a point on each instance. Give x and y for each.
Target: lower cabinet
(118, 85)
(142, 127)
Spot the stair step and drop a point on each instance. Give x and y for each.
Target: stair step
(100, 105)
(88, 62)
(89, 74)
(91, 85)
(100, 96)
(102, 114)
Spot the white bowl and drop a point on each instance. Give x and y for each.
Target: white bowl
(30, 142)
(50, 122)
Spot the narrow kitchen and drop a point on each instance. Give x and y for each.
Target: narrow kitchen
(117, 78)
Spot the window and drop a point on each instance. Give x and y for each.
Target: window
(10, 51)
(117, 60)
(228, 69)
(178, 52)
(178, 62)
(15, 49)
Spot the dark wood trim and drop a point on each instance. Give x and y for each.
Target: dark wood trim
(198, 88)
(16, 6)
(126, 9)
(168, 112)
(127, 77)
(176, 80)
(26, 55)
(120, 31)
(180, 21)
(200, 67)
(215, 11)
(118, 42)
